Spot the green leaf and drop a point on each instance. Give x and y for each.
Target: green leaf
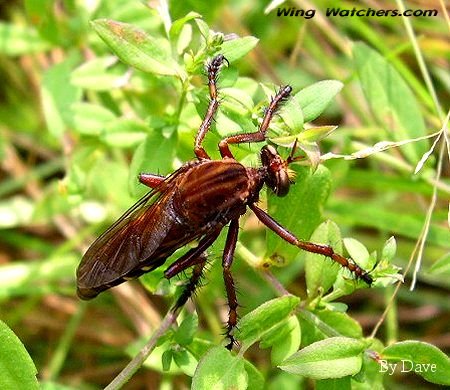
(312, 152)
(335, 357)
(314, 134)
(166, 359)
(203, 28)
(136, 48)
(422, 358)
(260, 322)
(391, 100)
(320, 271)
(254, 377)
(81, 164)
(334, 384)
(287, 342)
(315, 98)
(292, 115)
(154, 155)
(17, 370)
(220, 370)
(358, 252)
(159, 358)
(16, 40)
(237, 48)
(177, 25)
(299, 211)
(360, 256)
(90, 118)
(124, 133)
(341, 322)
(240, 98)
(389, 249)
(95, 75)
(185, 361)
(183, 41)
(186, 331)
(58, 95)
(441, 266)
(156, 282)
(278, 332)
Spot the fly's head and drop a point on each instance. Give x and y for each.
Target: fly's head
(278, 176)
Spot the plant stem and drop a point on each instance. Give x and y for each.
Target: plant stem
(64, 344)
(134, 365)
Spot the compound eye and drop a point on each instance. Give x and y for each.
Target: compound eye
(277, 176)
(282, 183)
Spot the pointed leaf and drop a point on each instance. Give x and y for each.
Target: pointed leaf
(177, 25)
(422, 358)
(137, 48)
(237, 48)
(391, 100)
(259, 322)
(315, 98)
(320, 271)
(220, 370)
(17, 370)
(58, 95)
(335, 357)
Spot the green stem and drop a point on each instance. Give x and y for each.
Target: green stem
(63, 347)
(134, 365)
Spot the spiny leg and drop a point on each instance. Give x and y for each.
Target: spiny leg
(191, 257)
(194, 257)
(194, 280)
(259, 135)
(227, 260)
(213, 68)
(324, 250)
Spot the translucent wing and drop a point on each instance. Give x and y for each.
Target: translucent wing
(129, 244)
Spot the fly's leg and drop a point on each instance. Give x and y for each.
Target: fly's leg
(195, 257)
(151, 180)
(213, 68)
(259, 135)
(194, 280)
(227, 260)
(191, 257)
(324, 250)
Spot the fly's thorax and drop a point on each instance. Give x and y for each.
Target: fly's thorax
(213, 190)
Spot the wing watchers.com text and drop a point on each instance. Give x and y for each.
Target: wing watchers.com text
(365, 12)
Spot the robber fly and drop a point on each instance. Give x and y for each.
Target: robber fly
(195, 203)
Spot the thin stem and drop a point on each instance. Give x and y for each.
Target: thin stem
(391, 318)
(420, 60)
(394, 294)
(63, 347)
(133, 366)
(318, 323)
(274, 282)
(427, 223)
